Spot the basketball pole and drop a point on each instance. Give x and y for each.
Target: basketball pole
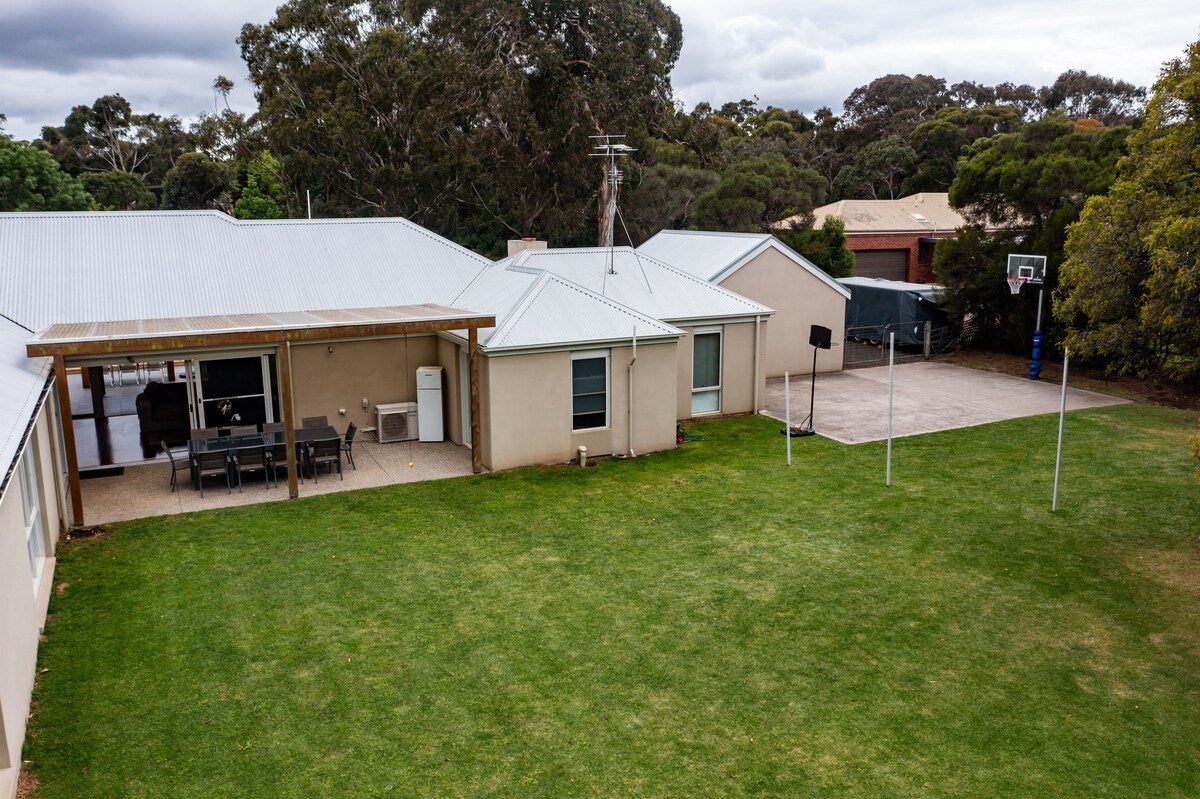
(1062, 414)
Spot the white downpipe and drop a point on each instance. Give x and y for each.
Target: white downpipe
(757, 327)
(891, 394)
(632, 361)
(787, 415)
(1062, 414)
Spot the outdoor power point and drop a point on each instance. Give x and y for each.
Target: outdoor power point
(364, 403)
(341, 411)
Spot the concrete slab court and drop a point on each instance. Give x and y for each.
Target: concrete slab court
(851, 406)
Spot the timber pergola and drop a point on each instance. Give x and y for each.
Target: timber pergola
(78, 343)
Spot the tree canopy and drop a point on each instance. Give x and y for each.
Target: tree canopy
(1131, 279)
(471, 118)
(1032, 182)
(30, 180)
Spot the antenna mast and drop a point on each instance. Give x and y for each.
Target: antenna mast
(608, 147)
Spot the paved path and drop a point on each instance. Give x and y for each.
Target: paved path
(851, 406)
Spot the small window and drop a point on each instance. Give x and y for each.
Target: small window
(589, 390)
(706, 371)
(925, 251)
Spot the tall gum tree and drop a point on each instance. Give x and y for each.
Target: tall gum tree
(469, 117)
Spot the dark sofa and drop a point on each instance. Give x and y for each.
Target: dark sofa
(163, 406)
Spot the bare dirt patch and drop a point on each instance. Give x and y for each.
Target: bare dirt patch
(1173, 395)
(27, 785)
(1176, 569)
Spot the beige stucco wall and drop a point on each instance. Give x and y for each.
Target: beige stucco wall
(737, 368)
(529, 410)
(22, 605)
(325, 381)
(800, 299)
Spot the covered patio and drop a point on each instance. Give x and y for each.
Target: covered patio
(88, 345)
(144, 490)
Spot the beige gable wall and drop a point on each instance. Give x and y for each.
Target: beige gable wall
(800, 299)
(737, 368)
(529, 407)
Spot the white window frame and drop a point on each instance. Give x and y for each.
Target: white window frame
(31, 503)
(586, 355)
(720, 333)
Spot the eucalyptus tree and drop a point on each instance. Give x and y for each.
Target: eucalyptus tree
(470, 117)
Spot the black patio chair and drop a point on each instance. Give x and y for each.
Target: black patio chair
(277, 458)
(184, 464)
(272, 427)
(209, 464)
(348, 445)
(204, 433)
(252, 459)
(243, 430)
(327, 450)
(314, 421)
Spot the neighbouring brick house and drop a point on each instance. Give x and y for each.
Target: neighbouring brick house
(893, 239)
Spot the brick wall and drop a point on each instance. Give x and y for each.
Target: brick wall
(915, 270)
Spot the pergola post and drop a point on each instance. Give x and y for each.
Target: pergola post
(473, 361)
(283, 357)
(68, 434)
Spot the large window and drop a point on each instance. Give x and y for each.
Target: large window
(706, 371)
(31, 501)
(589, 390)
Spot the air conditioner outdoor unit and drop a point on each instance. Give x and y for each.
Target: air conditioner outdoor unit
(396, 422)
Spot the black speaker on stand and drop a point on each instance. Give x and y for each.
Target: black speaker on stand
(820, 338)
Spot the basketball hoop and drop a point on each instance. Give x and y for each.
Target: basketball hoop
(1014, 284)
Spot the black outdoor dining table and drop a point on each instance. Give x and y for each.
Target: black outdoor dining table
(304, 435)
(226, 443)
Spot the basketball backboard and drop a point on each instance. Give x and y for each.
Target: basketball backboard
(1029, 268)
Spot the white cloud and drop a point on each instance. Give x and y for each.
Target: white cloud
(163, 56)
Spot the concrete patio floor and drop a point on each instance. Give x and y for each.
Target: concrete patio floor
(851, 406)
(144, 489)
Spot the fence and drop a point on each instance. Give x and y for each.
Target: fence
(915, 341)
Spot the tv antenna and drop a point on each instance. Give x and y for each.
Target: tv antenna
(608, 146)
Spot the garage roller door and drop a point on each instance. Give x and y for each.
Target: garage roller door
(887, 264)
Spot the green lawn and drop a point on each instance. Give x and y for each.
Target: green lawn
(702, 622)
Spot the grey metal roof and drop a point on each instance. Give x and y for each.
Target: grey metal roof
(930, 291)
(713, 256)
(21, 382)
(541, 309)
(112, 266)
(645, 284)
(702, 253)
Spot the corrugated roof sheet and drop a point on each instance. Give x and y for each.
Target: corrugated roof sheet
(236, 323)
(918, 213)
(640, 282)
(704, 254)
(111, 266)
(538, 309)
(714, 256)
(21, 382)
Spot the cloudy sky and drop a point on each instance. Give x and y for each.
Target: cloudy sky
(163, 55)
